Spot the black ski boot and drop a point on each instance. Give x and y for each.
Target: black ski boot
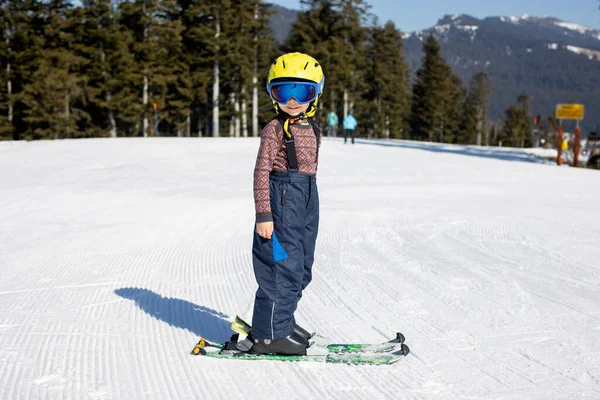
(300, 331)
(291, 345)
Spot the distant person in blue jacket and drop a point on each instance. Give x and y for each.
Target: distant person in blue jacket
(349, 126)
(332, 123)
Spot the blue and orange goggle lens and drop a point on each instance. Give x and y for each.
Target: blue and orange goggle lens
(302, 92)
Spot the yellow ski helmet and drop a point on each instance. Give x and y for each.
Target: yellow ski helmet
(296, 75)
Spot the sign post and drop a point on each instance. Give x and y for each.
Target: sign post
(576, 146)
(569, 111)
(155, 119)
(559, 143)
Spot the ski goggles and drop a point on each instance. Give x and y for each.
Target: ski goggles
(302, 92)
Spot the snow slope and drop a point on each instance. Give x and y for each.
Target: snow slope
(117, 255)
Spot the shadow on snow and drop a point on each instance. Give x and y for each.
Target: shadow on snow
(200, 320)
(473, 151)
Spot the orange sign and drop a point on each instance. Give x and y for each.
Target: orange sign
(569, 111)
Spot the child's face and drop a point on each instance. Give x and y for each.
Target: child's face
(293, 108)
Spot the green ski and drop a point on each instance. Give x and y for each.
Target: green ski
(341, 353)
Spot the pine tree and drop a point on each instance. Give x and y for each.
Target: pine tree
(333, 32)
(314, 33)
(526, 129)
(435, 93)
(226, 66)
(453, 107)
(135, 21)
(494, 135)
(468, 123)
(56, 82)
(551, 131)
(6, 28)
(238, 25)
(110, 91)
(142, 19)
(197, 18)
(265, 51)
(511, 131)
(174, 78)
(517, 126)
(386, 104)
(349, 50)
(481, 88)
(474, 120)
(27, 21)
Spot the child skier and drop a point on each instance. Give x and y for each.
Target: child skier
(287, 205)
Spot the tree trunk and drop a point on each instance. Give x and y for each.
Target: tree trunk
(67, 132)
(484, 124)
(387, 126)
(236, 118)
(145, 102)
(207, 120)
(232, 119)
(244, 113)
(480, 126)
(8, 81)
(9, 93)
(145, 92)
(111, 118)
(67, 116)
(188, 125)
(199, 125)
(107, 97)
(255, 82)
(255, 106)
(381, 118)
(113, 124)
(333, 101)
(215, 99)
(345, 103)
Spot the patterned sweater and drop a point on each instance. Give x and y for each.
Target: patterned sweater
(272, 156)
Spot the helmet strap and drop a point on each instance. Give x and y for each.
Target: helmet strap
(289, 120)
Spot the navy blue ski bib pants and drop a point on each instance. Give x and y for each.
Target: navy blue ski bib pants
(283, 264)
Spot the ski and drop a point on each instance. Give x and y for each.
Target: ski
(320, 351)
(332, 355)
(337, 358)
(243, 328)
(385, 347)
(240, 326)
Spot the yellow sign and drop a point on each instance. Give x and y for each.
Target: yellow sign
(569, 111)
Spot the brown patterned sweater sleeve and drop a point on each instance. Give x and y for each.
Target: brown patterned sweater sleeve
(270, 144)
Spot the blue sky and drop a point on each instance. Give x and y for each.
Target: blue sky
(420, 14)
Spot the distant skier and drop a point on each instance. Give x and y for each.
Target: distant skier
(287, 205)
(332, 124)
(349, 126)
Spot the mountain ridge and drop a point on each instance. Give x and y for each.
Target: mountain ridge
(550, 60)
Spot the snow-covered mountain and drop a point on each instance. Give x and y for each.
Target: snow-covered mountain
(550, 60)
(558, 34)
(569, 29)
